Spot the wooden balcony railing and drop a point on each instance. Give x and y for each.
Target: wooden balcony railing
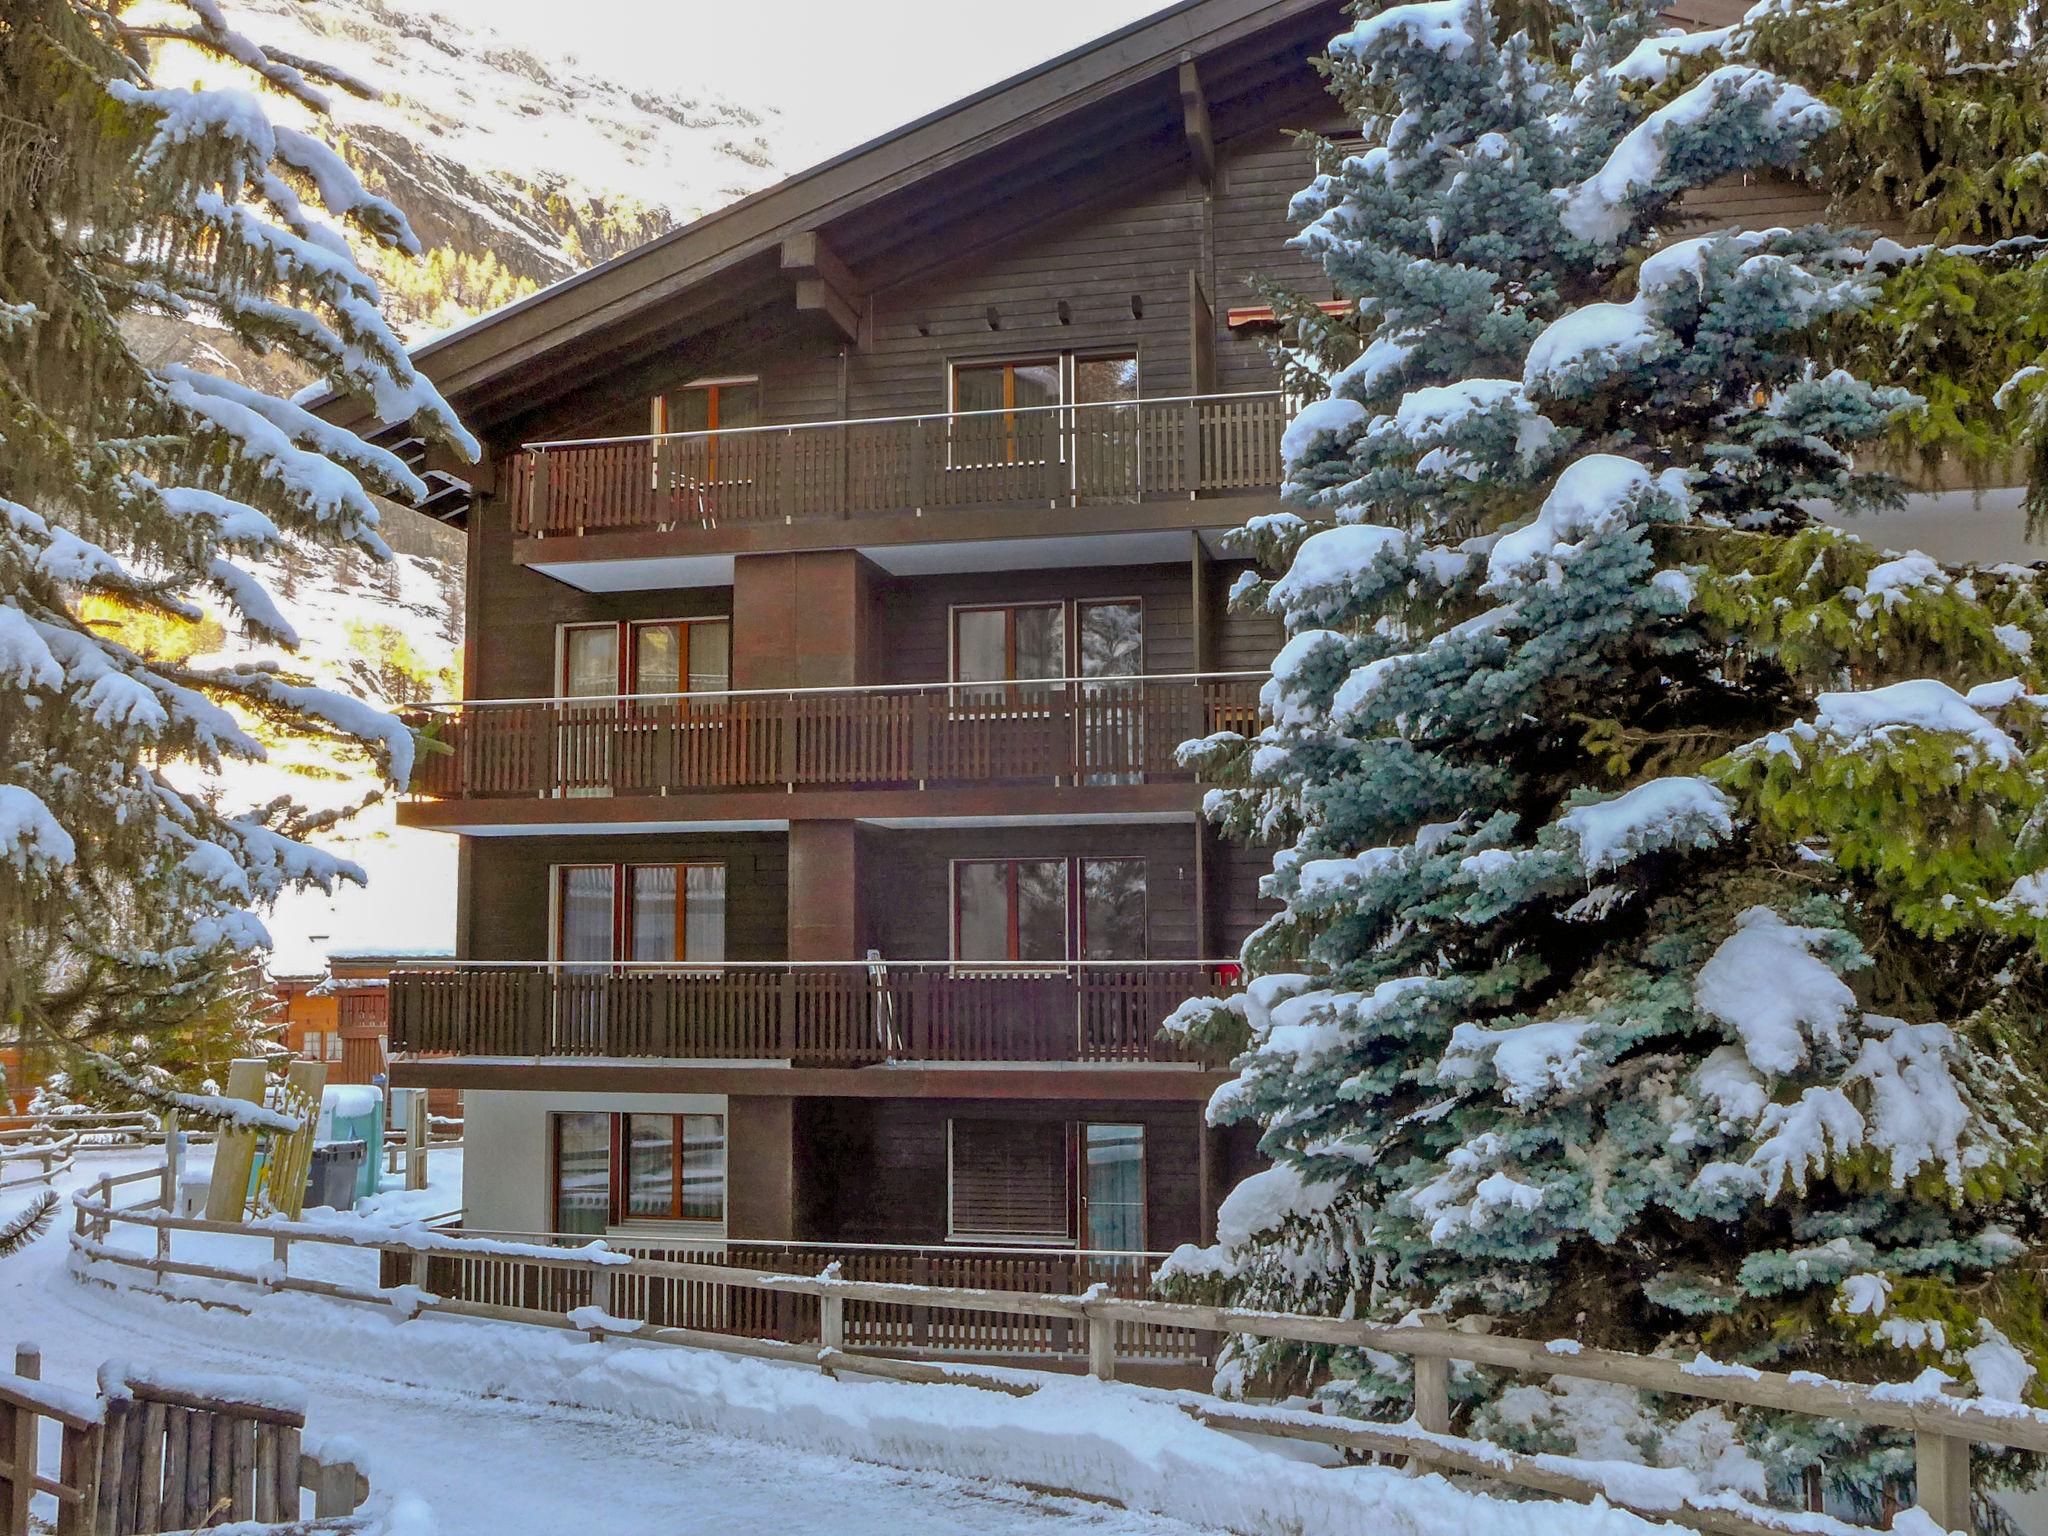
(1074, 455)
(1117, 730)
(808, 1014)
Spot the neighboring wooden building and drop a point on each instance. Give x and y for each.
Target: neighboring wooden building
(826, 870)
(342, 1016)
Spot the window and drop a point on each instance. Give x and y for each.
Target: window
(1008, 1181)
(648, 656)
(583, 1155)
(1016, 428)
(334, 1047)
(311, 1047)
(1113, 1187)
(1026, 641)
(707, 407)
(1049, 909)
(613, 1170)
(647, 912)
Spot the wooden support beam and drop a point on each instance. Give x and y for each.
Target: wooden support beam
(823, 284)
(1194, 112)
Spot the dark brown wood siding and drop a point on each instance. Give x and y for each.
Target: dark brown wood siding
(505, 905)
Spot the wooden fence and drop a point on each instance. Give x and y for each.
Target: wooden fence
(1043, 456)
(1943, 1428)
(1106, 731)
(812, 1015)
(148, 1455)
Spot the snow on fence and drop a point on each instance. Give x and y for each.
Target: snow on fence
(1943, 1428)
(35, 1160)
(155, 1452)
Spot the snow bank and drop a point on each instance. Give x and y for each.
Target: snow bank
(1099, 1439)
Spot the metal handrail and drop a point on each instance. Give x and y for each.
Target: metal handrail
(868, 421)
(708, 695)
(619, 1233)
(1020, 968)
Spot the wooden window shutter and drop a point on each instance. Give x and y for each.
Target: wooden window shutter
(1009, 1180)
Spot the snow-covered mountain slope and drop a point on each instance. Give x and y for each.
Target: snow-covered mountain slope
(390, 635)
(514, 170)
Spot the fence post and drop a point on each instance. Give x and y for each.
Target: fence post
(174, 1159)
(1191, 446)
(1941, 1473)
(1433, 1394)
(19, 1441)
(832, 1321)
(1101, 1346)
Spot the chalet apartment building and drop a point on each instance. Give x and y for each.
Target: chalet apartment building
(843, 573)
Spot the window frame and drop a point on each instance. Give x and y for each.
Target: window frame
(621, 915)
(1081, 1198)
(618, 1171)
(660, 413)
(1075, 919)
(625, 653)
(1070, 636)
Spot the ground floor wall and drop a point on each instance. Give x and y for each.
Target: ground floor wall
(852, 1170)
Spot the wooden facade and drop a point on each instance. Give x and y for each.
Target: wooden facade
(923, 459)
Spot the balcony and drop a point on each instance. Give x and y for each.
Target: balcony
(1073, 732)
(806, 1014)
(875, 469)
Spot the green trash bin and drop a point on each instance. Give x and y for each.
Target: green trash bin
(355, 1112)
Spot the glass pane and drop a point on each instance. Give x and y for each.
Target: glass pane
(586, 913)
(978, 389)
(657, 658)
(590, 663)
(653, 916)
(1116, 1187)
(981, 651)
(689, 410)
(1042, 909)
(1112, 639)
(1041, 641)
(703, 1168)
(739, 405)
(981, 894)
(1097, 379)
(710, 657)
(704, 912)
(583, 1154)
(1113, 909)
(650, 1167)
(1036, 384)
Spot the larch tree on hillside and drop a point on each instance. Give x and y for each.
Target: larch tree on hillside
(1662, 958)
(129, 892)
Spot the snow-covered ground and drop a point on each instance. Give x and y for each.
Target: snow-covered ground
(505, 1429)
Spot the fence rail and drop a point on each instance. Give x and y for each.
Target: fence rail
(1079, 455)
(809, 1015)
(606, 1287)
(1117, 730)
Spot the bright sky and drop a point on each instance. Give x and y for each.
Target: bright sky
(840, 71)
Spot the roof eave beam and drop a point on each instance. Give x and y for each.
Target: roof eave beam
(824, 286)
(1194, 111)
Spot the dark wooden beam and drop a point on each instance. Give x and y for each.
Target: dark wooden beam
(823, 285)
(1194, 112)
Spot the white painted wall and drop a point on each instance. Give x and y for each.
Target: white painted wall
(505, 1174)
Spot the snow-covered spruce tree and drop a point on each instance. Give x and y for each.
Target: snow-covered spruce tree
(127, 890)
(1661, 962)
(1942, 108)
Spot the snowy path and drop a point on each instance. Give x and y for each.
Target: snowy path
(495, 1467)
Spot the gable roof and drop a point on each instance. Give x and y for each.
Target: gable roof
(1080, 110)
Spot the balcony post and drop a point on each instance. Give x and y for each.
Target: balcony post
(788, 476)
(1191, 445)
(537, 496)
(919, 430)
